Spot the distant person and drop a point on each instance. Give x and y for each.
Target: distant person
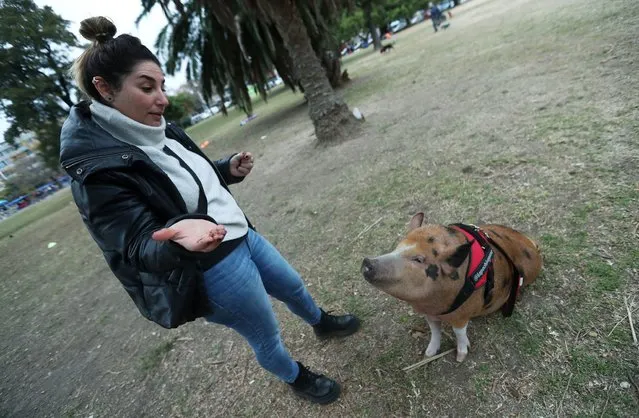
(435, 16)
(162, 214)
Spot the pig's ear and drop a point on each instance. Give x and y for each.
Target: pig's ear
(461, 253)
(416, 222)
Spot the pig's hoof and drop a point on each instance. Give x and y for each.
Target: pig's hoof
(461, 356)
(431, 351)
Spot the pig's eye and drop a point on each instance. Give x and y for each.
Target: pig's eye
(418, 259)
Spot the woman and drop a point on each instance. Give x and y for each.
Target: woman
(164, 218)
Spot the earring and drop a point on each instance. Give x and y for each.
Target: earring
(109, 98)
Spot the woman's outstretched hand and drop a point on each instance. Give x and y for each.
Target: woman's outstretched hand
(193, 234)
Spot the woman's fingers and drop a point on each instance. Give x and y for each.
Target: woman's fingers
(243, 170)
(218, 234)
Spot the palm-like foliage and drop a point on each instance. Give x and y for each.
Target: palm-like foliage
(234, 43)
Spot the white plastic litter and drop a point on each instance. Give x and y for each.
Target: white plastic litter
(358, 115)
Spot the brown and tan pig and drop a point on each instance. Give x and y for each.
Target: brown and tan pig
(429, 267)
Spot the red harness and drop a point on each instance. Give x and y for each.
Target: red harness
(480, 269)
(481, 256)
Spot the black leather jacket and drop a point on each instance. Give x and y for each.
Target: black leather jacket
(123, 197)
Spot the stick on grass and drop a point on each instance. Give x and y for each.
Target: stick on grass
(428, 360)
(632, 326)
(620, 321)
(368, 228)
(564, 395)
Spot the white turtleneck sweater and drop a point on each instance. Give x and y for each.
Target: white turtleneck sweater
(151, 140)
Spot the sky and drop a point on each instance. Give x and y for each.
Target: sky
(123, 13)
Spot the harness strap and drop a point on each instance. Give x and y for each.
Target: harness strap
(481, 254)
(462, 296)
(480, 271)
(490, 283)
(518, 281)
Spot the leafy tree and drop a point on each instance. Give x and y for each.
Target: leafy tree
(385, 11)
(36, 91)
(193, 89)
(372, 14)
(350, 25)
(181, 106)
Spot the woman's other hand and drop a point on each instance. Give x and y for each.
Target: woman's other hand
(241, 164)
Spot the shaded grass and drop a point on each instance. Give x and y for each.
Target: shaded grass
(153, 358)
(608, 279)
(35, 212)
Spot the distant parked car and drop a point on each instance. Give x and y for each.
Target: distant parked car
(398, 25)
(201, 116)
(275, 81)
(445, 5)
(419, 16)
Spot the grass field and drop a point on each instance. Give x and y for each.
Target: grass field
(523, 113)
(34, 213)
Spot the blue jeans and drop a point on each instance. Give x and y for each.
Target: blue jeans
(238, 288)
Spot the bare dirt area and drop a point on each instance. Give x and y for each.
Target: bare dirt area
(522, 113)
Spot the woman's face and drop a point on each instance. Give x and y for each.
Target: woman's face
(141, 96)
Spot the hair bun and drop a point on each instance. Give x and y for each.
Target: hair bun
(97, 29)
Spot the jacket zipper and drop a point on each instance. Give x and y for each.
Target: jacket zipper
(96, 157)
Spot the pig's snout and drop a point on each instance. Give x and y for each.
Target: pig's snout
(367, 268)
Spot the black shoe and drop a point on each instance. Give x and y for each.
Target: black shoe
(317, 388)
(336, 325)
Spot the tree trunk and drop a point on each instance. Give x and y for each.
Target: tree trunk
(333, 68)
(368, 17)
(331, 117)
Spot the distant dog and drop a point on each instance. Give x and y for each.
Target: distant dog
(386, 48)
(453, 273)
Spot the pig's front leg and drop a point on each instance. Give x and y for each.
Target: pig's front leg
(462, 341)
(435, 326)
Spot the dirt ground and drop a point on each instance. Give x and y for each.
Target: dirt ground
(523, 112)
